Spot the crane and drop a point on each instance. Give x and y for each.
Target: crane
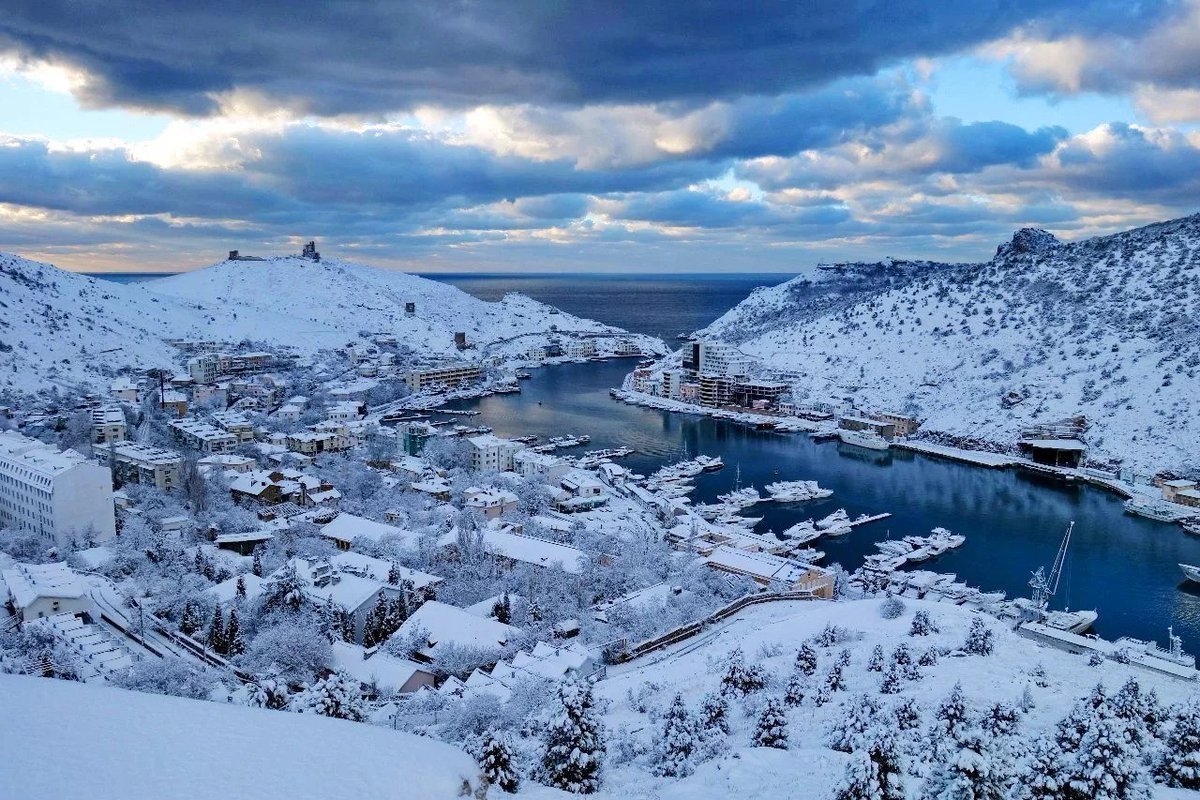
(1044, 587)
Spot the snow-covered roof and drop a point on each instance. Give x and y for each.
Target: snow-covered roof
(378, 569)
(346, 589)
(348, 527)
(36, 456)
(384, 670)
(225, 591)
(758, 565)
(447, 624)
(531, 550)
(28, 582)
(1054, 444)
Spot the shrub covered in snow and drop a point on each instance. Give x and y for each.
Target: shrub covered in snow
(772, 726)
(891, 608)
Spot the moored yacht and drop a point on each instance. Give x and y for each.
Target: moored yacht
(870, 441)
(1191, 572)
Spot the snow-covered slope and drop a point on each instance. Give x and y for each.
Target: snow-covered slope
(72, 741)
(61, 328)
(1107, 327)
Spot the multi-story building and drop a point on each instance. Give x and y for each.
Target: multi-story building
(199, 435)
(490, 452)
(671, 379)
(580, 348)
(53, 493)
(717, 358)
(234, 423)
(132, 462)
(108, 424)
(715, 390)
(445, 375)
(905, 425)
(205, 368)
(749, 392)
(126, 390)
(529, 464)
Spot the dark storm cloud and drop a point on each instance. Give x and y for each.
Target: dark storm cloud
(331, 58)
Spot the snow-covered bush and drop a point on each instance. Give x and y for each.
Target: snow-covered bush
(772, 726)
(336, 695)
(741, 679)
(850, 732)
(922, 625)
(171, 676)
(292, 650)
(979, 639)
(677, 748)
(891, 608)
(1180, 763)
(573, 750)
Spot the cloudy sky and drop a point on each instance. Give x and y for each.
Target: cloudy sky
(552, 136)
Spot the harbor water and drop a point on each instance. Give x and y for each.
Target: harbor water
(1123, 566)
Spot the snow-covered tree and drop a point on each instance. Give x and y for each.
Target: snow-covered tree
(907, 715)
(902, 656)
(875, 663)
(806, 659)
(929, 658)
(1045, 776)
(496, 762)
(999, 720)
(574, 746)
(850, 732)
(216, 632)
(284, 591)
(979, 639)
(714, 713)
(336, 695)
(235, 644)
(772, 726)
(843, 658)
(971, 773)
(1133, 708)
(891, 608)
(740, 678)
(239, 591)
(190, 621)
(268, 692)
(1108, 765)
(676, 750)
(1180, 764)
(796, 689)
(874, 771)
(256, 566)
(950, 722)
(922, 625)
(891, 682)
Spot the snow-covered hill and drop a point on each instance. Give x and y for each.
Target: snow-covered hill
(1106, 327)
(72, 741)
(63, 329)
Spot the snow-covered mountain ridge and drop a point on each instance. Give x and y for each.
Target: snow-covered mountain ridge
(1107, 327)
(62, 328)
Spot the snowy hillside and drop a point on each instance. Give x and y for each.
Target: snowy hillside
(71, 741)
(62, 329)
(1106, 327)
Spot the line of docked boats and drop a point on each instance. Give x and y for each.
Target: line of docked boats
(594, 458)
(796, 491)
(561, 442)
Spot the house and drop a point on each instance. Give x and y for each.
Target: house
(580, 348)
(108, 424)
(444, 376)
(752, 392)
(53, 493)
(490, 502)
(490, 452)
(243, 542)
(384, 673)
(549, 662)
(234, 423)
(445, 624)
(36, 591)
(649, 599)
(581, 490)
(436, 487)
(271, 487)
(225, 462)
(321, 583)
(200, 435)
(1172, 489)
(1054, 452)
(879, 427)
(423, 584)
(142, 463)
(345, 528)
(345, 411)
(215, 393)
(771, 571)
(530, 464)
(126, 390)
(904, 424)
(312, 443)
(173, 402)
(510, 547)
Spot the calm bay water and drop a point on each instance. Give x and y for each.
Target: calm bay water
(1123, 566)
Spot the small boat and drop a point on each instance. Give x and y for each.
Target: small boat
(523, 376)
(1191, 526)
(741, 498)
(894, 547)
(1144, 651)
(709, 463)
(1192, 573)
(838, 519)
(802, 532)
(796, 491)
(870, 441)
(1070, 621)
(1156, 510)
(808, 555)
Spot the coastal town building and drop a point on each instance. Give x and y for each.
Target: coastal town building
(490, 452)
(530, 464)
(37, 591)
(108, 424)
(772, 571)
(444, 376)
(134, 462)
(200, 435)
(490, 502)
(53, 493)
(904, 424)
(205, 368)
(859, 423)
(1068, 453)
(234, 423)
(126, 390)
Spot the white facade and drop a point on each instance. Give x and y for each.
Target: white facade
(718, 358)
(529, 464)
(204, 369)
(53, 493)
(108, 424)
(489, 452)
(43, 590)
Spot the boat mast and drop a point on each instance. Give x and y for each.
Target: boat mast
(1045, 587)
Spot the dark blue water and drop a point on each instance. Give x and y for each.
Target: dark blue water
(128, 277)
(1123, 566)
(658, 305)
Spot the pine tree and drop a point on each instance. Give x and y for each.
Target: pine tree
(496, 762)
(676, 749)
(375, 626)
(1107, 765)
(331, 621)
(772, 726)
(907, 715)
(999, 720)
(1180, 765)
(1026, 702)
(979, 639)
(240, 591)
(397, 613)
(850, 733)
(796, 689)
(393, 576)
(574, 745)
(901, 656)
(949, 724)
(828, 636)
(336, 695)
(741, 679)
(970, 774)
(922, 625)
(1045, 775)
(874, 772)
(257, 567)
(714, 713)
(235, 645)
(189, 622)
(834, 680)
(806, 659)
(875, 664)
(891, 681)
(1130, 707)
(929, 658)
(502, 611)
(216, 631)
(843, 659)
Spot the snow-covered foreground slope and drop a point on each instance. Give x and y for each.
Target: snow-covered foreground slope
(61, 329)
(71, 741)
(770, 634)
(1107, 327)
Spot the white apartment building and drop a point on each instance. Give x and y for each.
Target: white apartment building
(143, 463)
(446, 375)
(205, 368)
(490, 452)
(53, 493)
(234, 423)
(108, 424)
(126, 390)
(580, 348)
(718, 358)
(201, 436)
(345, 411)
(529, 464)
